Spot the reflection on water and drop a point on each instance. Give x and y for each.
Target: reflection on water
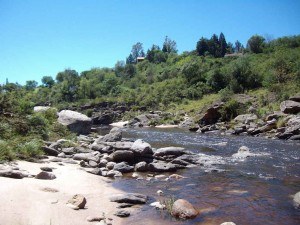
(255, 191)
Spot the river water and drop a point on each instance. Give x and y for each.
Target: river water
(257, 190)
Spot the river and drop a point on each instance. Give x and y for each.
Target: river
(257, 190)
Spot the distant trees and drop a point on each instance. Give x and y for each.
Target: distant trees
(136, 51)
(255, 44)
(215, 46)
(48, 81)
(31, 85)
(169, 46)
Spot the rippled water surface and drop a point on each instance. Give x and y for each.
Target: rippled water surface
(257, 190)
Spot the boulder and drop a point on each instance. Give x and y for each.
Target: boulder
(123, 167)
(114, 135)
(120, 145)
(45, 176)
(50, 151)
(141, 167)
(296, 200)
(212, 115)
(162, 167)
(290, 107)
(16, 174)
(78, 201)
(86, 157)
(245, 118)
(188, 123)
(114, 173)
(183, 209)
(295, 98)
(131, 198)
(167, 151)
(104, 118)
(75, 121)
(242, 153)
(122, 155)
(141, 147)
(110, 165)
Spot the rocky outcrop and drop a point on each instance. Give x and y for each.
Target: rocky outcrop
(212, 115)
(161, 166)
(183, 209)
(75, 121)
(114, 135)
(290, 107)
(144, 120)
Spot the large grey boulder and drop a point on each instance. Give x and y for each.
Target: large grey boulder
(132, 198)
(212, 115)
(169, 151)
(162, 167)
(123, 167)
(141, 147)
(290, 107)
(114, 135)
(75, 121)
(122, 155)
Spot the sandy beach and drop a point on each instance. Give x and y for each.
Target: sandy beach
(28, 202)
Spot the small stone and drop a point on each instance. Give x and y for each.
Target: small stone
(176, 176)
(158, 205)
(124, 205)
(78, 201)
(45, 176)
(122, 213)
(160, 192)
(46, 168)
(95, 218)
(296, 200)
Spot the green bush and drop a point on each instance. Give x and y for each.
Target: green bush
(230, 110)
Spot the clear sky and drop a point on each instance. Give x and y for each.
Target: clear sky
(43, 37)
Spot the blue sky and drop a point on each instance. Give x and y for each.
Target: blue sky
(40, 38)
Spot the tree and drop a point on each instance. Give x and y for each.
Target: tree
(238, 47)
(202, 46)
(230, 48)
(136, 51)
(222, 44)
(48, 81)
(214, 46)
(169, 46)
(155, 55)
(31, 85)
(119, 68)
(256, 44)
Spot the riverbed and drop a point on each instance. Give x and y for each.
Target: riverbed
(257, 190)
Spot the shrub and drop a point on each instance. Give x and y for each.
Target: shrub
(230, 110)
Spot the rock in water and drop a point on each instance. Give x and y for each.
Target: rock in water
(78, 201)
(183, 209)
(75, 121)
(132, 198)
(45, 176)
(114, 135)
(296, 200)
(141, 147)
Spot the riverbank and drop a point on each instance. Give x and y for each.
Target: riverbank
(35, 201)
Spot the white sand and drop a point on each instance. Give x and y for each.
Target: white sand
(119, 124)
(23, 202)
(166, 126)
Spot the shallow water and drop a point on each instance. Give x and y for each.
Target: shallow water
(257, 190)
